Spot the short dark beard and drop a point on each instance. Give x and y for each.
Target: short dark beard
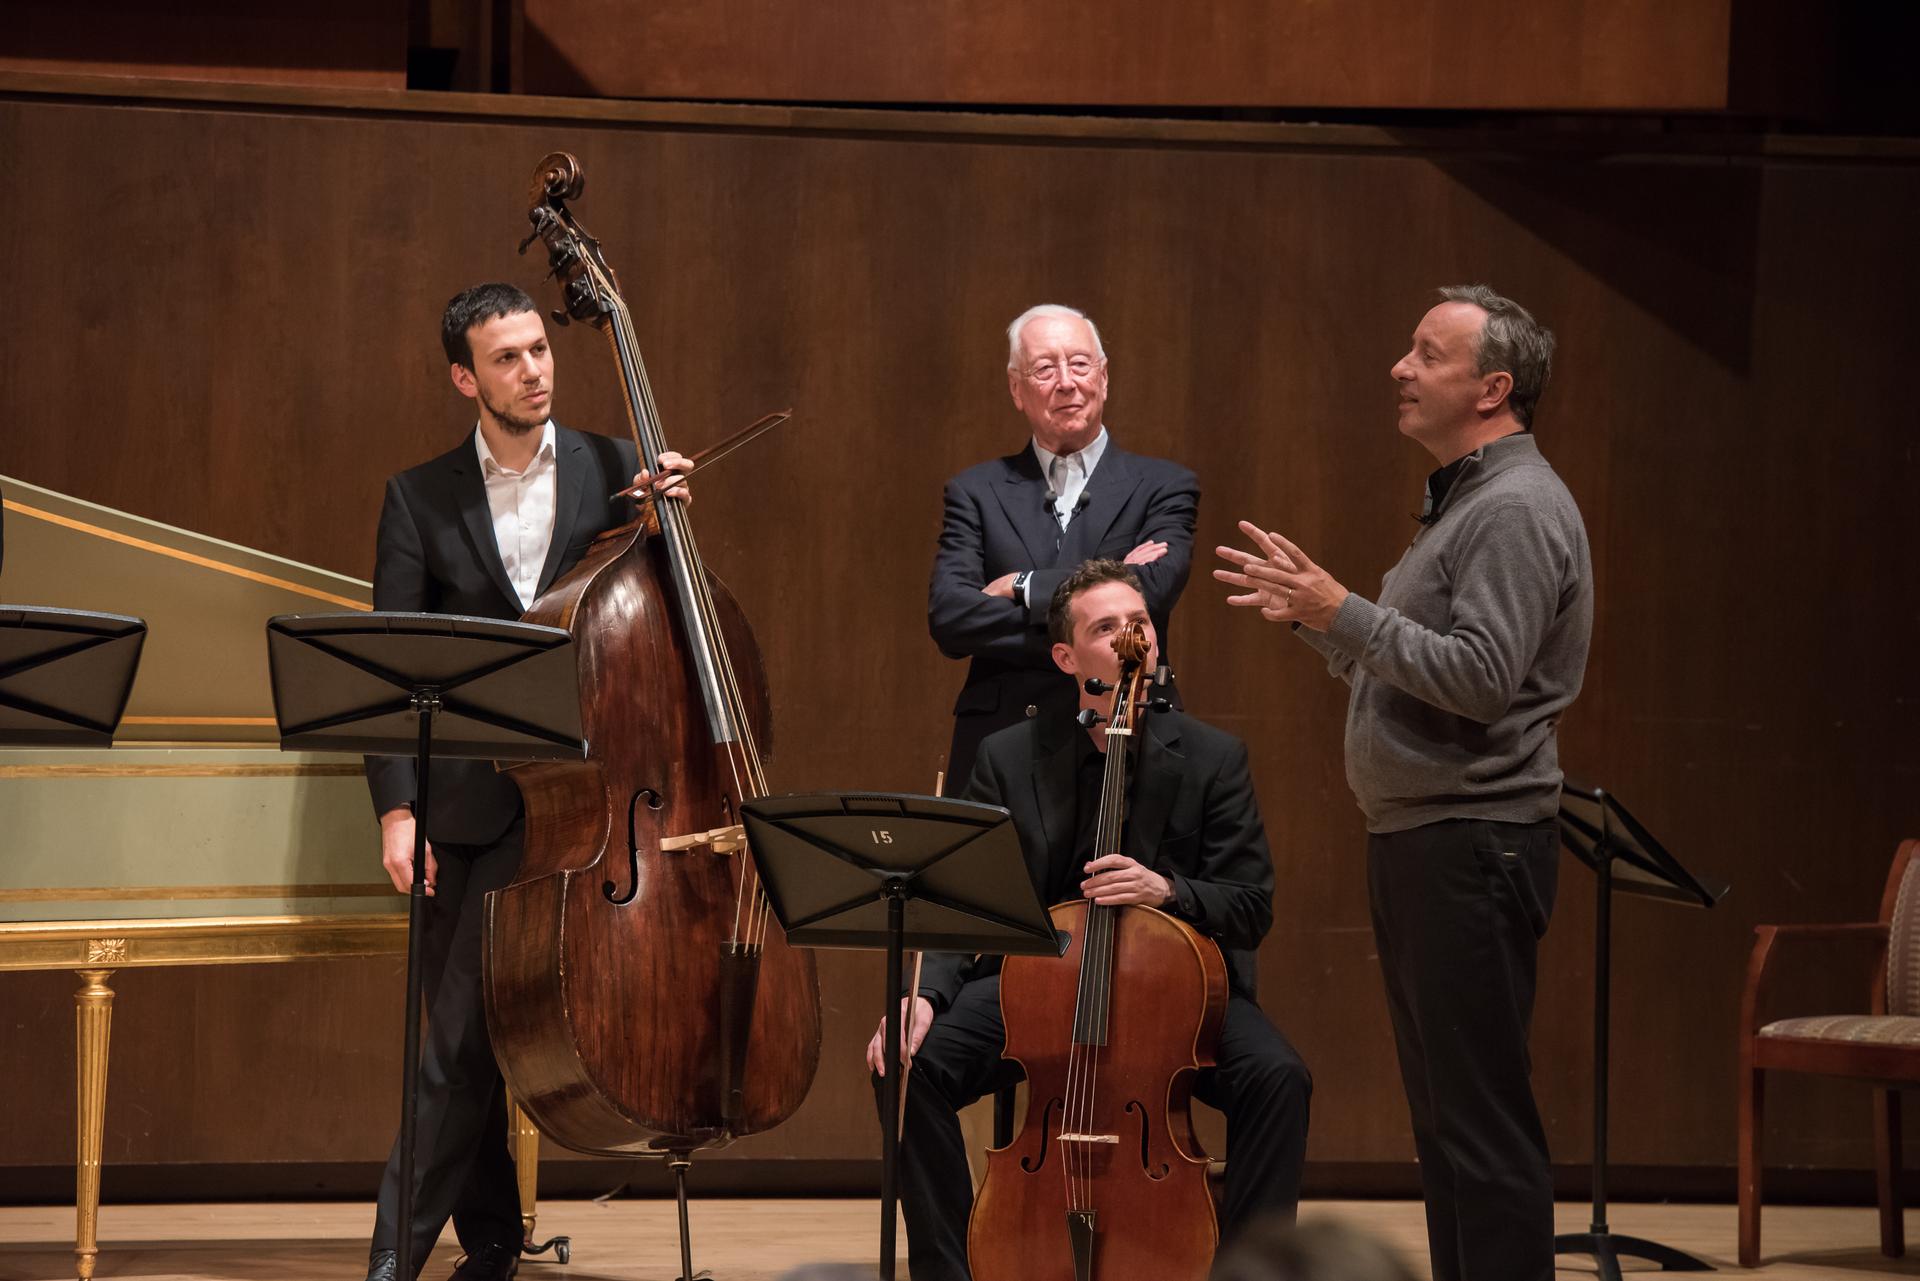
(509, 423)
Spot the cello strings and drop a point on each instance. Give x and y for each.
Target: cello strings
(1091, 997)
(1097, 965)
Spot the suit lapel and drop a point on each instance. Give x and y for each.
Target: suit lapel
(1155, 785)
(1023, 496)
(470, 494)
(571, 465)
(1108, 489)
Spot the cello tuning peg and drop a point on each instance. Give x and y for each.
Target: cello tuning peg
(1159, 705)
(1097, 686)
(1088, 718)
(560, 317)
(1162, 674)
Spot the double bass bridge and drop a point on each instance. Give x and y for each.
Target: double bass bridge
(718, 840)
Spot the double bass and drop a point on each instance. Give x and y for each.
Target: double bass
(640, 998)
(1106, 1180)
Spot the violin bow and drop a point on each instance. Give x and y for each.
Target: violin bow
(704, 459)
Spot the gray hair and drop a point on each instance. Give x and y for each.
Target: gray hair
(1055, 311)
(1510, 341)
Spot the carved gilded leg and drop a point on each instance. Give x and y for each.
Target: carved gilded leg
(526, 1164)
(93, 1016)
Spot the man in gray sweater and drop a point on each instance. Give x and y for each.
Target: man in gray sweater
(1460, 672)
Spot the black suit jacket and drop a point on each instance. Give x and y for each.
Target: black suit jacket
(1193, 819)
(437, 555)
(997, 523)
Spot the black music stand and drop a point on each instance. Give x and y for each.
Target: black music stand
(65, 675)
(874, 870)
(433, 685)
(1624, 856)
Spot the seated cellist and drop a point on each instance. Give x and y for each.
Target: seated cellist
(1195, 819)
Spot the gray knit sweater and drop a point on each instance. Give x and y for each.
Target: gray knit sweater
(1477, 644)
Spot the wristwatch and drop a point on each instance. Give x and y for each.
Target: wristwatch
(1020, 585)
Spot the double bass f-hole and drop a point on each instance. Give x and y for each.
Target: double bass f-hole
(653, 801)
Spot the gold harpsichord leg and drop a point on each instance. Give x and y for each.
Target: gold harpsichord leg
(526, 1165)
(93, 1024)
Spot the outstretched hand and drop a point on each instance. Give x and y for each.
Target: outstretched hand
(1282, 582)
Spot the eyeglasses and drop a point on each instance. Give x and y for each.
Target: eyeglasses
(1046, 373)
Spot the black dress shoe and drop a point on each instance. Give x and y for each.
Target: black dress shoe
(383, 1265)
(489, 1262)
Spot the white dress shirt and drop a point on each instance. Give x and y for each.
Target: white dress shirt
(1067, 476)
(1069, 480)
(522, 504)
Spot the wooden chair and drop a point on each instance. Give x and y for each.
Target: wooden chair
(1881, 1048)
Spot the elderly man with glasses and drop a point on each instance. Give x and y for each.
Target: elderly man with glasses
(1017, 526)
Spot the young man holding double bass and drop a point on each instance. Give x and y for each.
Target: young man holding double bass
(1195, 848)
(481, 530)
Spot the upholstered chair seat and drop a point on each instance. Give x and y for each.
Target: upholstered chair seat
(1880, 1048)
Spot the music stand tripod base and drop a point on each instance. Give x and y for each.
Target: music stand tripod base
(888, 871)
(1623, 856)
(65, 678)
(429, 686)
(1608, 1249)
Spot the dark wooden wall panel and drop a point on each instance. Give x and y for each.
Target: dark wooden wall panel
(226, 319)
(1555, 55)
(344, 44)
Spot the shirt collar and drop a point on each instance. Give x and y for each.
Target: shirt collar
(1440, 481)
(1089, 753)
(1089, 457)
(490, 466)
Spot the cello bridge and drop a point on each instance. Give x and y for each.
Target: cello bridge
(1089, 1138)
(720, 840)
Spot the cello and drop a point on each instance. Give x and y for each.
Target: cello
(640, 998)
(1106, 1180)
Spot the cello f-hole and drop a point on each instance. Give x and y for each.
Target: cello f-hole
(653, 801)
(1030, 1164)
(1152, 1171)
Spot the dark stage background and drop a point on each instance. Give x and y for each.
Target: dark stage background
(223, 316)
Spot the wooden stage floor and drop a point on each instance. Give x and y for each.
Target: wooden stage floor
(756, 1240)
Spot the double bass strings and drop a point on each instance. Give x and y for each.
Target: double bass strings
(742, 752)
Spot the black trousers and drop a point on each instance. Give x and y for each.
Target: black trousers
(463, 1169)
(1459, 908)
(1261, 1084)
